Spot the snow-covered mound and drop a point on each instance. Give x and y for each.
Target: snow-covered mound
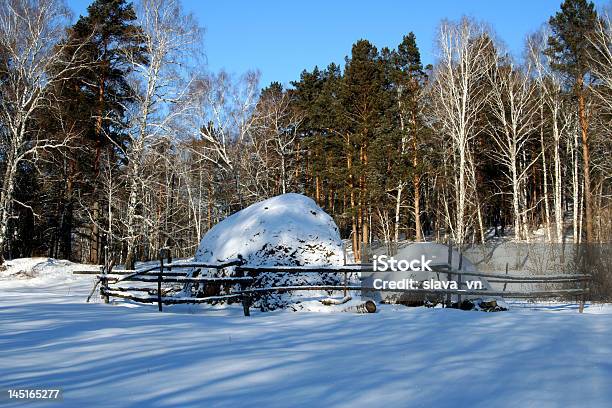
(289, 229)
(44, 273)
(39, 268)
(286, 230)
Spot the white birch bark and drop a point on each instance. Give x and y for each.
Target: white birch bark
(459, 99)
(31, 34)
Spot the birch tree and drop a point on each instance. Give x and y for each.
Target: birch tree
(278, 126)
(601, 61)
(550, 85)
(31, 34)
(171, 38)
(222, 117)
(459, 100)
(514, 114)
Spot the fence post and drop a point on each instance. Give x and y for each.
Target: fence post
(450, 268)
(169, 258)
(345, 273)
(459, 278)
(159, 279)
(106, 260)
(104, 284)
(246, 304)
(506, 283)
(585, 286)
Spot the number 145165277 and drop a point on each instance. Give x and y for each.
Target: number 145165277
(33, 394)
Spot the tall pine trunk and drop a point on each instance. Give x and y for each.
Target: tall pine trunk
(416, 185)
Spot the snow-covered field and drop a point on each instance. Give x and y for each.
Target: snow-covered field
(543, 355)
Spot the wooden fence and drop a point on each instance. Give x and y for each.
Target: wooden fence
(117, 283)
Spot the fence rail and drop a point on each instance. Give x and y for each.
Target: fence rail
(245, 276)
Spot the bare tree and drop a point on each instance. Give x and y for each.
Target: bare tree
(601, 64)
(222, 118)
(459, 98)
(31, 34)
(111, 184)
(223, 114)
(551, 86)
(601, 61)
(277, 125)
(171, 39)
(514, 119)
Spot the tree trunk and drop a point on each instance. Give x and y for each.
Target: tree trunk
(131, 215)
(575, 190)
(584, 127)
(6, 200)
(364, 202)
(558, 185)
(398, 200)
(354, 231)
(416, 182)
(460, 216)
(545, 183)
(515, 201)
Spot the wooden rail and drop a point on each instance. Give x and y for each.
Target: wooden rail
(485, 292)
(175, 279)
(444, 268)
(510, 278)
(300, 287)
(162, 273)
(298, 269)
(167, 300)
(170, 272)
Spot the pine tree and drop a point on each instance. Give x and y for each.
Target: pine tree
(569, 48)
(409, 79)
(96, 100)
(365, 99)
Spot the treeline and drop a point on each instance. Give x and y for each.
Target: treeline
(115, 141)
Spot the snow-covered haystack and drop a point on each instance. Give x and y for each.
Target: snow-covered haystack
(286, 230)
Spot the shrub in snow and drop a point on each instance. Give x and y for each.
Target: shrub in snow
(286, 230)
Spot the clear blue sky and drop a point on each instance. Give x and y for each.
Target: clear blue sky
(281, 38)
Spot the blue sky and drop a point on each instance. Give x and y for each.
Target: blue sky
(281, 38)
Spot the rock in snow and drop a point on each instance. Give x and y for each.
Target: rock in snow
(286, 230)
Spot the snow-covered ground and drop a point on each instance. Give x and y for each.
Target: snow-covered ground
(535, 355)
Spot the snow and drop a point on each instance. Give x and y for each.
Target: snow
(39, 271)
(539, 355)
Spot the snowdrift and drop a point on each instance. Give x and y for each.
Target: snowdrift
(286, 230)
(40, 270)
